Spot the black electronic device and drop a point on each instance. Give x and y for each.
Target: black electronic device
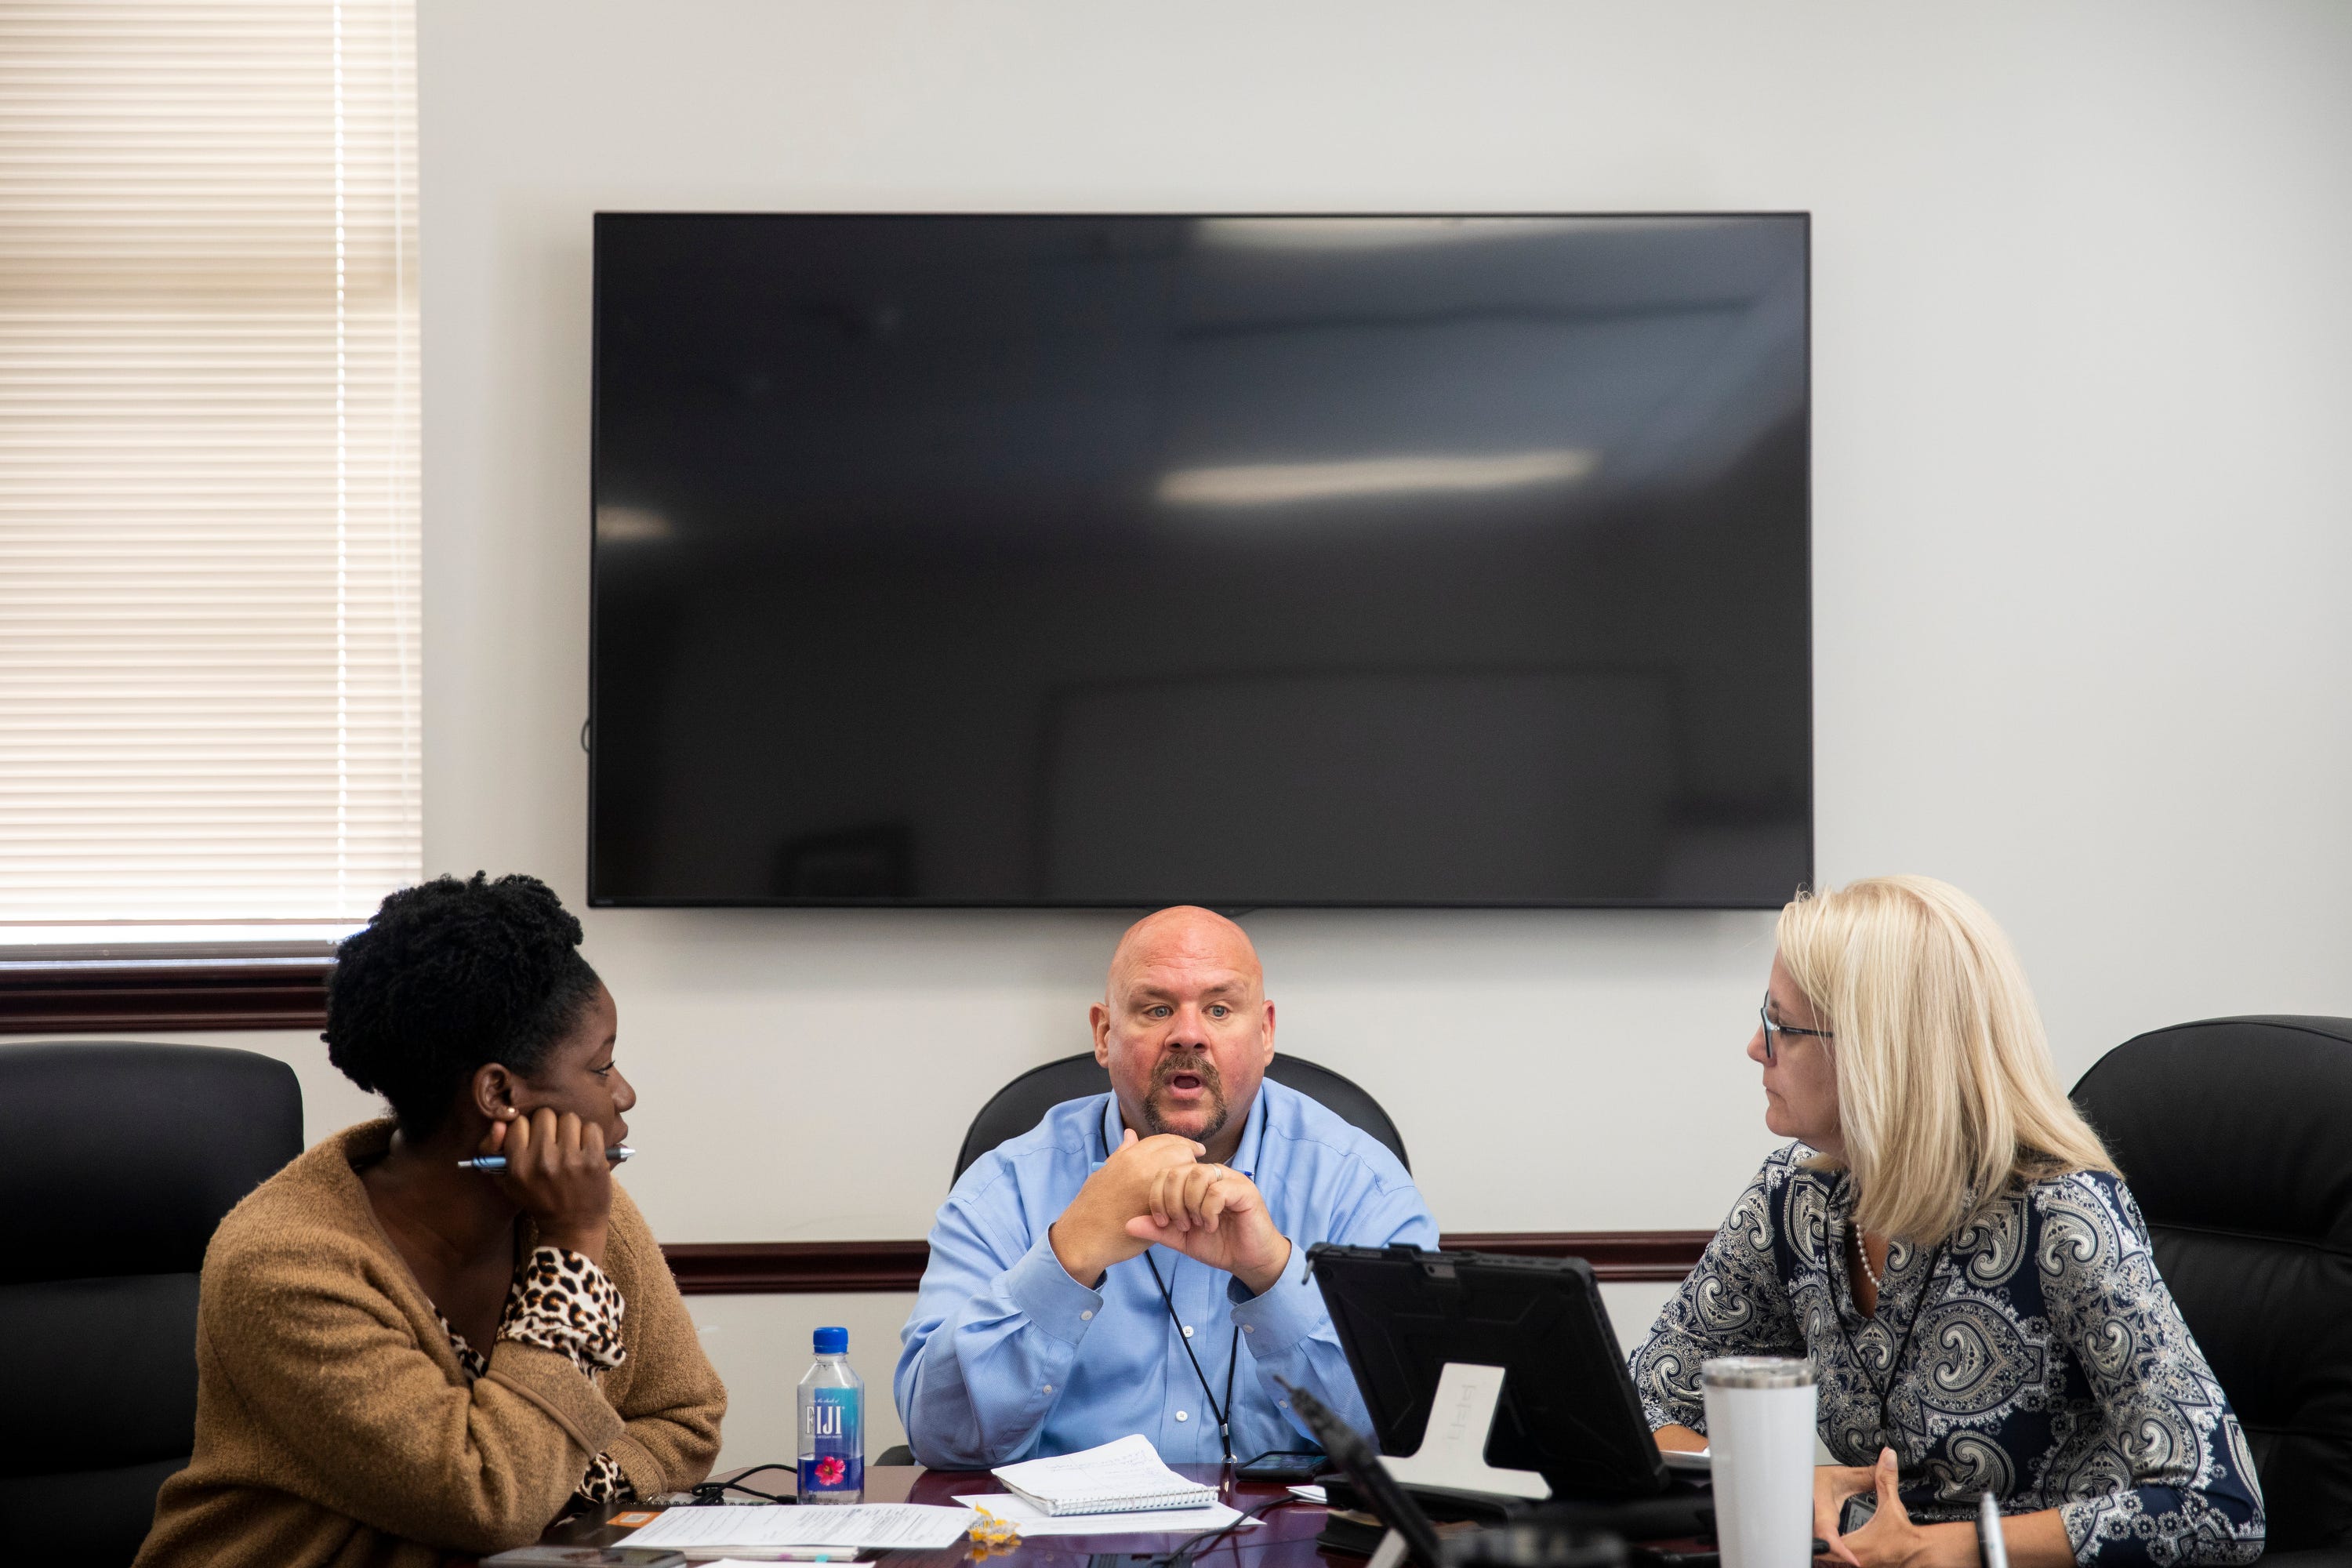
(1285, 1465)
(957, 560)
(1356, 1460)
(1567, 1409)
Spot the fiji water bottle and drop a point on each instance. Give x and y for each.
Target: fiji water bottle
(832, 1424)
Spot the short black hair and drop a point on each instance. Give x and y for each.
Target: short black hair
(447, 976)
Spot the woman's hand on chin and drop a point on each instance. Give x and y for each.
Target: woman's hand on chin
(557, 1173)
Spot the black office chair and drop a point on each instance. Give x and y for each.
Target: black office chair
(2233, 1133)
(1023, 1104)
(117, 1161)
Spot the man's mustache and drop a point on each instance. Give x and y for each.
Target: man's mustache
(1198, 1067)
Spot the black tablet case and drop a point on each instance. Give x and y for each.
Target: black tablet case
(1568, 1410)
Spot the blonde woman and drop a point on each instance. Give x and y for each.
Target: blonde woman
(1949, 1243)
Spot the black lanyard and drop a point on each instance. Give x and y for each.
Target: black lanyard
(1233, 1359)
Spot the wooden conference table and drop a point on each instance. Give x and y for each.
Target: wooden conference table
(1284, 1539)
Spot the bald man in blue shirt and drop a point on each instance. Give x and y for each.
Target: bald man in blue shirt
(1138, 1261)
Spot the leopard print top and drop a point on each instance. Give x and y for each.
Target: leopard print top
(561, 1302)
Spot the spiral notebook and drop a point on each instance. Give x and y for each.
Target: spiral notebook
(1125, 1476)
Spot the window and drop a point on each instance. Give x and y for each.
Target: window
(208, 528)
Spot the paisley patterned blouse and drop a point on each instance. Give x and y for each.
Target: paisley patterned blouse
(2037, 1355)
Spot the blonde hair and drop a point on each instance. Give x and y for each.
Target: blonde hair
(1946, 1097)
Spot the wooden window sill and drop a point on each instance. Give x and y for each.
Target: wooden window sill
(164, 989)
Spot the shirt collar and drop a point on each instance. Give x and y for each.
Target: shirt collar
(1253, 1135)
(1244, 1159)
(1112, 1128)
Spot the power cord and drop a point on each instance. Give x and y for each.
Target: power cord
(706, 1492)
(1182, 1556)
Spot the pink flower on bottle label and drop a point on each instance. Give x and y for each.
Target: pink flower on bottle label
(829, 1471)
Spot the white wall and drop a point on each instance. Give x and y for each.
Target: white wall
(2083, 365)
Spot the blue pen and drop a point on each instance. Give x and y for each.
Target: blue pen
(615, 1154)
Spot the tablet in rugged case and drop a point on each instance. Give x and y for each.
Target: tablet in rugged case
(1567, 1409)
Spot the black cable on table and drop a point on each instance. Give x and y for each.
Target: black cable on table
(1182, 1556)
(716, 1491)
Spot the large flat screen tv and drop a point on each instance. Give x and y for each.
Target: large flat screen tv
(1246, 560)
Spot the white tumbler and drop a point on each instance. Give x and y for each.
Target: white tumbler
(1759, 1441)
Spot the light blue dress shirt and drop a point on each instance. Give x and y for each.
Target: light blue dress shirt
(1007, 1357)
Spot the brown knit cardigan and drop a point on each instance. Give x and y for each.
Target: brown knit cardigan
(334, 1425)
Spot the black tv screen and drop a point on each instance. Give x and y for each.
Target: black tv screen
(1244, 561)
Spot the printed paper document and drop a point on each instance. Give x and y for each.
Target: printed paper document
(916, 1526)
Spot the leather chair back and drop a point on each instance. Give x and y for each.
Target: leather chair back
(2236, 1137)
(117, 1161)
(1023, 1104)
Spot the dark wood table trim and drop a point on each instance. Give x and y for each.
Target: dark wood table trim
(164, 989)
(1654, 1256)
(796, 1268)
(801, 1267)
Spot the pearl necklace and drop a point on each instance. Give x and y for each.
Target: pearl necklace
(1862, 1253)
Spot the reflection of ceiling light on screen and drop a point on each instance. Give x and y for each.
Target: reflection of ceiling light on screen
(1272, 484)
(630, 525)
(1405, 233)
(1359, 233)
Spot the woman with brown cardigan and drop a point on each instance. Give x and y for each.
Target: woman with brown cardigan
(400, 1357)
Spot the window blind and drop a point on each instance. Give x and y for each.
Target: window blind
(208, 526)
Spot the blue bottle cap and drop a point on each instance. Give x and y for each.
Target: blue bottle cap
(833, 1341)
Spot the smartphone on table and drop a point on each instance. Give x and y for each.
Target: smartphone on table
(1285, 1465)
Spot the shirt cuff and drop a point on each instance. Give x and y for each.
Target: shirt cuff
(604, 1481)
(2080, 1517)
(1046, 1294)
(560, 1301)
(1290, 1310)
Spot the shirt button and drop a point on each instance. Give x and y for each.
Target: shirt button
(1282, 1404)
(1188, 1331)
(1249, 1328)
(1049, 1388)
(1181, 1416)
(1087, 1316)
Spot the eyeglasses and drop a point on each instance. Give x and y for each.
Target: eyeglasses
(1771, 1028)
